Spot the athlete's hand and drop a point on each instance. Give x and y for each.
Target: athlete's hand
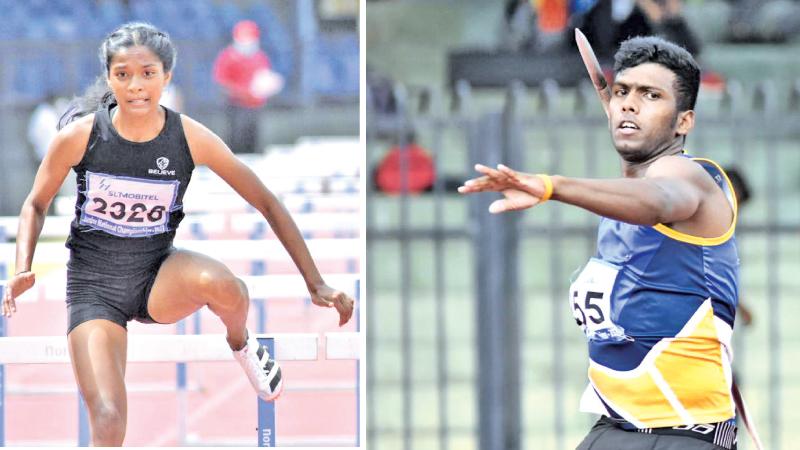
(327, 297)
(521, 190)
(15, 287)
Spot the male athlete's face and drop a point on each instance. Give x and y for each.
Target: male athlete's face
(644, 117)
(137, 78)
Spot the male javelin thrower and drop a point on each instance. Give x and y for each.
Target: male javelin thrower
(657, 301)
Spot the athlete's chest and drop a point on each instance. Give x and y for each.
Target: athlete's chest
(624, 243)
(130, 192)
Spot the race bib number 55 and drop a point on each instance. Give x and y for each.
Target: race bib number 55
(128, 207)
(590, 299)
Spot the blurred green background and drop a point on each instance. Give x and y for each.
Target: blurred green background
(407, 41)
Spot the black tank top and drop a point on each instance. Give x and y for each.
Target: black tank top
(130, 194)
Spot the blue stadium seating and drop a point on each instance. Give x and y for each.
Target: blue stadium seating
(206, 24)
(337, 58)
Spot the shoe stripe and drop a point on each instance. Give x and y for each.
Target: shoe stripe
(260, 352)
(272, 371)
(263, 355)
(273, 384)
(265, 360)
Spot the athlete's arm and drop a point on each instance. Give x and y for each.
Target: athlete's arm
(209, 150)
(672, 190)
(65, 151)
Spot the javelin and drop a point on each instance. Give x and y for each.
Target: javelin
(595, 71)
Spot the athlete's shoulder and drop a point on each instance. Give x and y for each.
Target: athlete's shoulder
(201, 140)
(677, 166)
(667, 162)
(194, 130)
(71, 141)
(78, 127)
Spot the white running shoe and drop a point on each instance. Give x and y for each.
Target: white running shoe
(264, 373)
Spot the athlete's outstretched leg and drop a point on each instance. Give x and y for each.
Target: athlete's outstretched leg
(98, 349)
(187, 281)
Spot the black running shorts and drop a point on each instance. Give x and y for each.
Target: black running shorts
(607, 436)
(109, 286)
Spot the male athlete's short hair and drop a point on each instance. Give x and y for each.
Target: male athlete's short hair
(651, 49)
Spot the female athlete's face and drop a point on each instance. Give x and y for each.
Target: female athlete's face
(644, 117)
(136, 77)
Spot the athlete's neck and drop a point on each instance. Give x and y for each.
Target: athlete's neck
(138, 128)
(636, 169)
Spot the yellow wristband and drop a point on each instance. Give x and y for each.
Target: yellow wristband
(548, 187)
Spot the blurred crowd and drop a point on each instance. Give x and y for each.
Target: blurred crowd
(536, 25)
(53, 33)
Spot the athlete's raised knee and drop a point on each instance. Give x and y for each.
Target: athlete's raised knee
(222, 288)
(243, 288)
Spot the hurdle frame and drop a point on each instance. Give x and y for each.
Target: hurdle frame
(267, 435)
(266, 410)
(2, 366)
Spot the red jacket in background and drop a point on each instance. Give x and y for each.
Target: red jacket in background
(234, 71)
(420, 172)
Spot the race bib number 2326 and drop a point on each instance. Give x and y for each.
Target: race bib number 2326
(128, 207)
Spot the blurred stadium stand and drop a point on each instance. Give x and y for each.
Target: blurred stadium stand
(439, 263)
(50, 47)
(72, 29)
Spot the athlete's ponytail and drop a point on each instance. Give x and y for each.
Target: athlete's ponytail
(99, 95)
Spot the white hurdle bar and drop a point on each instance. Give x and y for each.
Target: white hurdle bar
(232, 202)
(55, 226)
(156, 348)
(294, 203)
(268, 250)
(341, 346)
(258, 286)
(308, 223)
(180, 348)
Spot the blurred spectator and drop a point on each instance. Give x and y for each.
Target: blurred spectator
(42, 125)
(243, 71)
(609, 22)
(172, 97)
(760, 21)
(534, 25)
(381, 92)
(42, 128)
(552, 15)
(407, 167)
(519, 25)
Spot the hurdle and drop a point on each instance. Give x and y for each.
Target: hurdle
(294, 203)
(321, 249)
(258, 286)
(233, 203)
(252, 224)
(184, 348)
(210, 183)
(261, 287)
(56, 226)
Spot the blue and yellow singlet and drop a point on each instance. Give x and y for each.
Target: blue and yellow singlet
(658, 307)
